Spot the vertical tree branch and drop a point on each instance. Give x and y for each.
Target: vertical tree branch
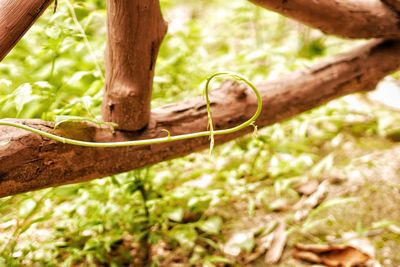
(16, 17)
(135, 31)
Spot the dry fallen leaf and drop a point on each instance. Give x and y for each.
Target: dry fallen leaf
(308, 188)
(274, 254)
(279, 205)
(331, 255)
(305, 205)
(263, 243)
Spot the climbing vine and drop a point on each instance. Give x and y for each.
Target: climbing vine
(211, 132)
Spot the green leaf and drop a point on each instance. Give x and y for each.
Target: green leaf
(185, 235)
(241, 241)
(22, 96)
(65, 119)
(176, 214)
(212, 225)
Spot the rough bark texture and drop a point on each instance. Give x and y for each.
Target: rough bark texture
(16, 17)
(135, 31)
(346, 18)
(29, 162)
(394, 4)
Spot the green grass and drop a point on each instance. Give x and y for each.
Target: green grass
(186, 209)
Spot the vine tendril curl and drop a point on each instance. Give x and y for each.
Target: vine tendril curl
(211, 133)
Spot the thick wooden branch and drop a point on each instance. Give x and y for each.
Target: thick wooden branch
(135, 31)
(16, 17)
(394, 4)
(345, 18)
(29, 162)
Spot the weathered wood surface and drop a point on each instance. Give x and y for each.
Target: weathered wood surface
(394, 4)
(29, 162)
(135, 31)
(346, 18)
(16, 17)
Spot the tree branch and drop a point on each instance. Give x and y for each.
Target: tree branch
(29, 162)
(394, 4)
(135, 31)
(16, 17)
(345, 18)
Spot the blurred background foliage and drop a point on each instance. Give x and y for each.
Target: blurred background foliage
(183, 212)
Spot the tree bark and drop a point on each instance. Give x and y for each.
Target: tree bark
(394, 4)
(29, 162)
(135, 31)
(345, 18)
(16, 17)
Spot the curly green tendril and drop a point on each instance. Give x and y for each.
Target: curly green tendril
(211, 132)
